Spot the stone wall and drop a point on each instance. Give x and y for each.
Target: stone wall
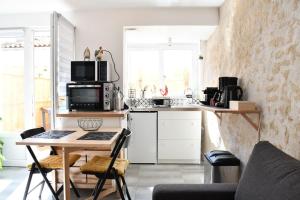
(259, 42)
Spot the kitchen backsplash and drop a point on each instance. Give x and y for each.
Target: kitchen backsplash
(147, 102)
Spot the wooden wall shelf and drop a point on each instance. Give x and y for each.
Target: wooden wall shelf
(244, 113)
(122, 113)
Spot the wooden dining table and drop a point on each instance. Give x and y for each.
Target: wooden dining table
(70, 143)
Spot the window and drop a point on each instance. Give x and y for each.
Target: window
(11, 80)
(16, 83)
(151, 67)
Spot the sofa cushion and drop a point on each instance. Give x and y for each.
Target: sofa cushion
(218, 191)
(269, 175)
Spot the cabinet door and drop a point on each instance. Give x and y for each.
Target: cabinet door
(143, 142)
(179, 125)
(179, 149)
(179, 136)
(179, 129)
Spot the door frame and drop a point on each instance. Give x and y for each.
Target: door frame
(20, 157)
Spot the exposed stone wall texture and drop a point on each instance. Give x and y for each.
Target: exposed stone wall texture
(259, 42)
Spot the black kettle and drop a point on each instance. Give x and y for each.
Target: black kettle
(231, 93)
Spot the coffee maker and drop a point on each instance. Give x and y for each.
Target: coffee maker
(228, 91)
(224, 81)
(231, 93)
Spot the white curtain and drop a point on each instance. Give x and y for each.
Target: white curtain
(63, 51)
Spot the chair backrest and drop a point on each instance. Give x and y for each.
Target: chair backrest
(32, 132)
(35, 131)
(29, 133)
(118, 140)
(123, 140)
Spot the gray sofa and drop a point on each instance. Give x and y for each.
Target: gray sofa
(269, 175)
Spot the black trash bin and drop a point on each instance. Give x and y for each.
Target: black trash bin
(221, 167)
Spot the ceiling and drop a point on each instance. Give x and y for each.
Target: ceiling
(25, 6)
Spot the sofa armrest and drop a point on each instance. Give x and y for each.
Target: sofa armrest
(217, 191)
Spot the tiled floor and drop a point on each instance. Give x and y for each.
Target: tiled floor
(140, 179)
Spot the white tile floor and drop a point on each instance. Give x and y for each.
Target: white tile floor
(140, 178)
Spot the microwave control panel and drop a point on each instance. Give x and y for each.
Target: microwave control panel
(108, 89)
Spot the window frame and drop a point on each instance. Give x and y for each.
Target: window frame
(161, 47)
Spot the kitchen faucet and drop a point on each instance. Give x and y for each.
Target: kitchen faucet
(143, 91)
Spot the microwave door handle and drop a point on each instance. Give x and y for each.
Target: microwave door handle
(84, 86)
(96, 70)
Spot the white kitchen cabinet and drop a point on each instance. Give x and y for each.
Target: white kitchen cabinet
(179, 136)
(179, 129)
(143, 142)
(181, 150)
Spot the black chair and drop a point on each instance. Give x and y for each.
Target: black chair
(43, 167)
(110, 167)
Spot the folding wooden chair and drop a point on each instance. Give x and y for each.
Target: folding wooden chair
(44, 166)
(110, 167)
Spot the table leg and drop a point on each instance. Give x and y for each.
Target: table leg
(66, 173)
(54, 180)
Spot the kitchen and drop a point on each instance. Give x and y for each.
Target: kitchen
(62, 118)
(163, 91)
(172, 115)
(172, 73)
(162, 105)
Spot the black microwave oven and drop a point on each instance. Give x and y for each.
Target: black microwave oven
(90, 97)
(90, 71)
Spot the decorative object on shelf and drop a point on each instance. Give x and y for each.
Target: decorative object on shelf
(99, 54)
(90, 124)
(164, 92)
(87, 54)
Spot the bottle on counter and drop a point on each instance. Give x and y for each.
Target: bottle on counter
(118, 99)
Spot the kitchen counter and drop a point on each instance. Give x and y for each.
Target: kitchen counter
(122, 113)
(189, 107)
(194, 107)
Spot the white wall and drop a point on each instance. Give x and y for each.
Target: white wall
(25, 20)
(105, 27)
